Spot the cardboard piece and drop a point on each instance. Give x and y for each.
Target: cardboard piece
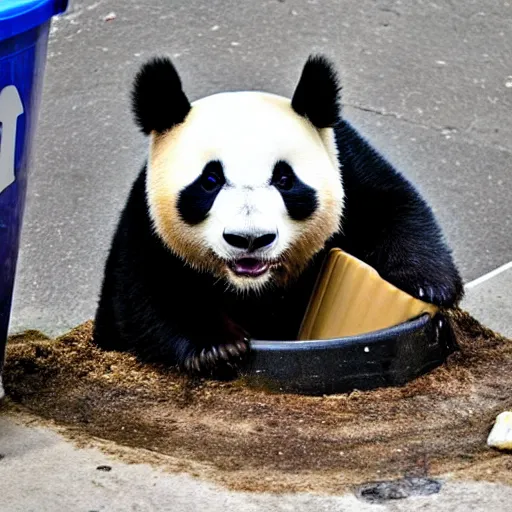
(351, 298)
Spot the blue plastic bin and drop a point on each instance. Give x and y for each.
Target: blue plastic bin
(24, 27)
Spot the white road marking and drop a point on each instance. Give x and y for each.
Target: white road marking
(489, 275)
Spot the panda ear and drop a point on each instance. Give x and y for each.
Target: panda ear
(158, 101)
(317, 94)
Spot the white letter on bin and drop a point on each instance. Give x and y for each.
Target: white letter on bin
(10, 109)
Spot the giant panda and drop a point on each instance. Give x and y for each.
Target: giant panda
(227, 225)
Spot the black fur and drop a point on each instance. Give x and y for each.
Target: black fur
(317, 94)
(196, 200)
(152, 303)
(300, 199)
(158, 100)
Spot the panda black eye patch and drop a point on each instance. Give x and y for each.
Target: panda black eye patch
(300, 199)
(196, 200)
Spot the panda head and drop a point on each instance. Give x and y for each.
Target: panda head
(243, 185)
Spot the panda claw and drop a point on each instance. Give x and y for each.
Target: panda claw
(202, 357)
(232, 349)
(210, 356)
(223, 352)
(241, 346)
(191, 364)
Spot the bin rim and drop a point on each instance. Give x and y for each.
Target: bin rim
(18, 16)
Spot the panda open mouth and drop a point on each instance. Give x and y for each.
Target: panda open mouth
(249, 267)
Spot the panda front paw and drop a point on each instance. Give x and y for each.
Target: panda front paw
(441, 295)
(228, 351)
(217, 359)
(445, 291)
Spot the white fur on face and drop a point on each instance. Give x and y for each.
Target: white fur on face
(248, 132)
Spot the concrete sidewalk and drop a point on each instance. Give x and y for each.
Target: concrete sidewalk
(489, 299)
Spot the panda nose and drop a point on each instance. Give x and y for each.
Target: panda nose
(250, 242)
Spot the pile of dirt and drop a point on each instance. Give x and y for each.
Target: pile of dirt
(255, 440)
